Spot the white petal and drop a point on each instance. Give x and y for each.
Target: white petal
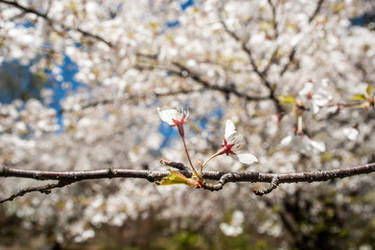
(307, 88)
(287, 140)
(317, 145)
(230, 129)
(247, 158)
(168, 115)
(351, 133)
(236, 140)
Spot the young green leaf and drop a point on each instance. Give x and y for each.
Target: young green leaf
(359, 97)
(176, 177)
(286, 99)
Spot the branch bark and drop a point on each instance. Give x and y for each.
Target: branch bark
(223, 177)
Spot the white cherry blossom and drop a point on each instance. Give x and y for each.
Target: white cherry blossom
(232, 145)
(172, 116)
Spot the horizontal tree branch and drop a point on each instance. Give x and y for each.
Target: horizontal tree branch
(65, 178)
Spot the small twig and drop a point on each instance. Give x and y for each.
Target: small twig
(274, 21)
(178, 165)
(272, 186)
(294, 49)
(262, 76)
(45, 189)
(178, 92)
(316, 11)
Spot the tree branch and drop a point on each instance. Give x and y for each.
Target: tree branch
(275, 36)
(258, 72)
(294, 49)
(316, 11)
(45, 189)
(184, 72)
(53, 22)
(223, 177)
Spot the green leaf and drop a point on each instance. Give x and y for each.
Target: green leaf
(369, 89)
(359, 97)
(286, 99)
(176, 177)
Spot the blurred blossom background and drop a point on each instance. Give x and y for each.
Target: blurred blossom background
(80, 84)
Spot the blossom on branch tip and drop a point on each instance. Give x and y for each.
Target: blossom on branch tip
(232, 145)
(174, 118)
(316, 95)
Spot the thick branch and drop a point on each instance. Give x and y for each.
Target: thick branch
(223, 177)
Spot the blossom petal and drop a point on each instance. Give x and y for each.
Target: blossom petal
(320, 146)
(247, 158)
(230, 129)
(286, 140)
(168, 115)
(307, 88)
(351, 133)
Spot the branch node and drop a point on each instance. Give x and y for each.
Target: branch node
(111, 173)
(5, 171)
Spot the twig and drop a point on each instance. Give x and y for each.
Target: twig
(177, 92)
(275, 36)
(45, 189)
(316, 11)
(69, 177)
(177, 165)
(260, 74)
(294, 49)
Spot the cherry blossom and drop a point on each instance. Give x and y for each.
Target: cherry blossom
(303, 143)
(232, 145)
(234, 227)
(316, 95)
(178, 119)
(174, 118)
